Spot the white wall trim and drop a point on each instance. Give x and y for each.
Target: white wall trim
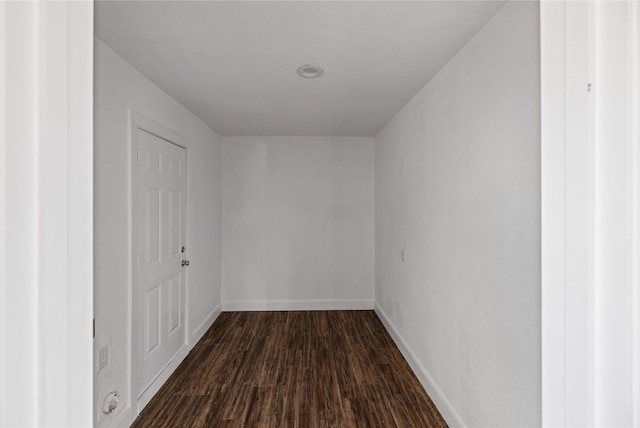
(567, 227)
(200, 330)
(614, 125)
(435, 393)
(634, 134)
(4, 335)
(122, 420)
(46, 220)
(157, 383)
(297, 305)
(590, 210)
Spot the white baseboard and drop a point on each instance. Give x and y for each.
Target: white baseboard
(201, 329)
(155, 386)
(444, 406)
(123, 420)
(297, 305)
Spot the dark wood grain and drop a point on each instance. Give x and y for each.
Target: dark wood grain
(293, 369)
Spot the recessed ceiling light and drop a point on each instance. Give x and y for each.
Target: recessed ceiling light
(310, 71)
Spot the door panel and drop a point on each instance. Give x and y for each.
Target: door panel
(161, 230)
(175, 239)
(152, 318)
(152, 214)
(175, 288)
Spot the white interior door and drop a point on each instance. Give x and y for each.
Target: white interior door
(162, 184)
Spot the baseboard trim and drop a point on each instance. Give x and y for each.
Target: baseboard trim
(297, 305)
(157, 383)
(123, 420)
(444, 406)
(202, 328)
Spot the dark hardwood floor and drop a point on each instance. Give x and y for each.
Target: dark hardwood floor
(293, 369)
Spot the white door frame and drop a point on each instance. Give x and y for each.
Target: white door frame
(567, 170)
(46, 213)
(590, 65)
(142, 122)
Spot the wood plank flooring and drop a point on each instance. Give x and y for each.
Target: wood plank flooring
(293, 369)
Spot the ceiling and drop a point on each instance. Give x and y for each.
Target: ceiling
(233, 63)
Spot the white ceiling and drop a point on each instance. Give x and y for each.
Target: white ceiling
(234, 63)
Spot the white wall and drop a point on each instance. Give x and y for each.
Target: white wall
(457, 185)
(118, 88)
(298, 223)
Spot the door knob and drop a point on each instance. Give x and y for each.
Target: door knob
(185, 263)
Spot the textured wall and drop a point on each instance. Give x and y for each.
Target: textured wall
(457, 186)
(118, 88)
(297, 223)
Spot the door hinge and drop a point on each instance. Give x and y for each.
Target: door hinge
(138, 156)
(94, 328)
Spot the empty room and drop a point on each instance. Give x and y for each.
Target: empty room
(320, 213)
(404, 179)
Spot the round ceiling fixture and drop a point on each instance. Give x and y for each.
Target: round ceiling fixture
(310, 71)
